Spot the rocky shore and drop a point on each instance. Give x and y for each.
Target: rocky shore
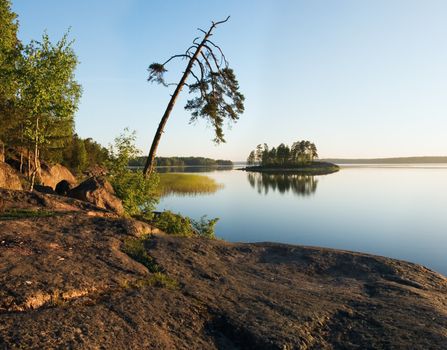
(314, 168)
(74, 276)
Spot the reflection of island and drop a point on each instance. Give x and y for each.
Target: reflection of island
(301, 185)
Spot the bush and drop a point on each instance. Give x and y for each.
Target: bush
(176, 224)
(138, 193)
(173, 224)
(204, 227)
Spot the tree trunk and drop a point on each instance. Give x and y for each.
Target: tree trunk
(29, 164)
(2, 152)
(36, 155)
(150, 162)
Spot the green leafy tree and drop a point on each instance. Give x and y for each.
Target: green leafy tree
(79, 160)
(251, 158)
(301, 152)
(96, 154)
(210, 79)
(49, 94)
(138, 193)
(9, 55)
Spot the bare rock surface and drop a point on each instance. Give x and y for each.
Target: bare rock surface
(9, 179)
(67, 284)
(51, 175)
(98, 191)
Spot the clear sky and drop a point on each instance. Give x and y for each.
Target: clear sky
(359, 78)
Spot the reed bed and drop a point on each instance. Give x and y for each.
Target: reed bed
(186, 184)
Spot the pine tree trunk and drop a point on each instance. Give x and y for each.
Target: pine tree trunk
(150, 162)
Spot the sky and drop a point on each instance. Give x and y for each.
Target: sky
(360, 79)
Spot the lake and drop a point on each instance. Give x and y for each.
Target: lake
(396, 211)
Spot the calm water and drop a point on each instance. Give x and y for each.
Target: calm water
(400, 212)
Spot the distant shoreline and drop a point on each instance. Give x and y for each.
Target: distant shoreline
(395, 160)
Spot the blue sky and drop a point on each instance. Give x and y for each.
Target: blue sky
(358, 78)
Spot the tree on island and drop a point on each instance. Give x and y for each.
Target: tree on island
(301, 153)
(214, 83)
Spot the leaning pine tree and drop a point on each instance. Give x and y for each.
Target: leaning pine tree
(210, 79)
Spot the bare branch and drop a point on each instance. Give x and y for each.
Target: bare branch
(202, 31)
(173, 84)
(211, 53)
(191, 47)
(202, 69)
(220, 50)
(220, 22)
(177, 56)
(195, 76)
(199, 82)
(207, 62)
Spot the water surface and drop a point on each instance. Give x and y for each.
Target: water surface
(396, 211)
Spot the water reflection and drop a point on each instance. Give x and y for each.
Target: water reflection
(301, 185)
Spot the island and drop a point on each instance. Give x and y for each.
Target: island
(297, 159)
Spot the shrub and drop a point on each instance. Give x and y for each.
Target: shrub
(176, 224)
(204, 227)
(139, 194)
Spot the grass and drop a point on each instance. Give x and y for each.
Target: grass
(185, 184)
(13, 214)
(136, 248)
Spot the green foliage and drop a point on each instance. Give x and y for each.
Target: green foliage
(138, 193)
(38, 92)
(42, 95)
(49, 92)
(96, 154)
(137, 249)
(81, 154)
(159, 279)
(204, 227)
(176, 224)
(301, 153)
(213, 84)
(219, 99)
(186, 184)
(26, 213)
(173, 224)
(182, 161)
(9, 51)
(251, 159)
(9, 55)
